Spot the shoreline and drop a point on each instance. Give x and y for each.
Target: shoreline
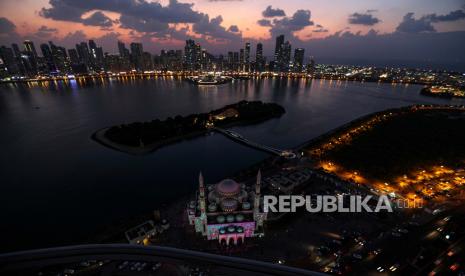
(184, 76)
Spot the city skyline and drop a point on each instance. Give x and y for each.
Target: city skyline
(347, 30)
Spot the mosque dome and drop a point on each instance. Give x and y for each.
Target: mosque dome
(212, 207)
(228, 188)
(220, 219)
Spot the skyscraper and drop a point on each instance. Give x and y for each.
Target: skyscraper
(259, 61)
(241, 59)
(30, 57)
(8, 64)
(190, 54)
(277, 49)
(298, 59)
(16, 50)
(30, 48)
(285, 57)
(137, 52)
(247, 57)
(122, 49)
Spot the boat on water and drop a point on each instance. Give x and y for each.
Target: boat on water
(209, 79)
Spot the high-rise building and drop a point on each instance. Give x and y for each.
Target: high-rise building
(298, 59)
(286, 50)
(278, 46)
(30, 57)
(241, 59)
(30, 48)
(60, 58)
(83, 53)
(8, 64)
(137, 52)
(247, 57)
(190, 55)
(259, 60)
(48, 58)
(123, 52)
(16, 50)
(230, 61)
(73, 56)
(236, 61)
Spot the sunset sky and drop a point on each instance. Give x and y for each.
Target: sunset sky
(225, 25)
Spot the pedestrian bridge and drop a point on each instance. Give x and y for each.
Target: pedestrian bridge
(239, 138)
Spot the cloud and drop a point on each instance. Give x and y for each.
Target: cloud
(366, 19)
(452, 16)
(8, 32)
(149, 19)
(212, 29)
(264, 23)
(321, 30)
(425, 23)
(142, 25)
(411, 25)
(233, 28)
(288, 25)
(270, 12)
(45, 31)
(98, 19)
(6, 26)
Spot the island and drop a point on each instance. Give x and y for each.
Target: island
(144, 137)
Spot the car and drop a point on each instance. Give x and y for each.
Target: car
(357, 256)
(377, 251)
(394, 267)
(156, 266)
(403, 230)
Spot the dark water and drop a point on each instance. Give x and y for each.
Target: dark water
(58, 186)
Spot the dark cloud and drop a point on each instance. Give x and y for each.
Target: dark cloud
(320, 30)
(212, 29)
(424, 24)
(45, 32)
(142, 25)
(8, 32)
(370, 11)
(73, 37)
(264, 23)
(366, 19)
(6, 26)
(452, 16)
(270, 12)
(288, 25)
(147, 18)
(411, 25)
(98, 19)
(233, 28)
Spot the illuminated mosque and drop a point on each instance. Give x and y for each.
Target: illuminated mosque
(227, 211)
